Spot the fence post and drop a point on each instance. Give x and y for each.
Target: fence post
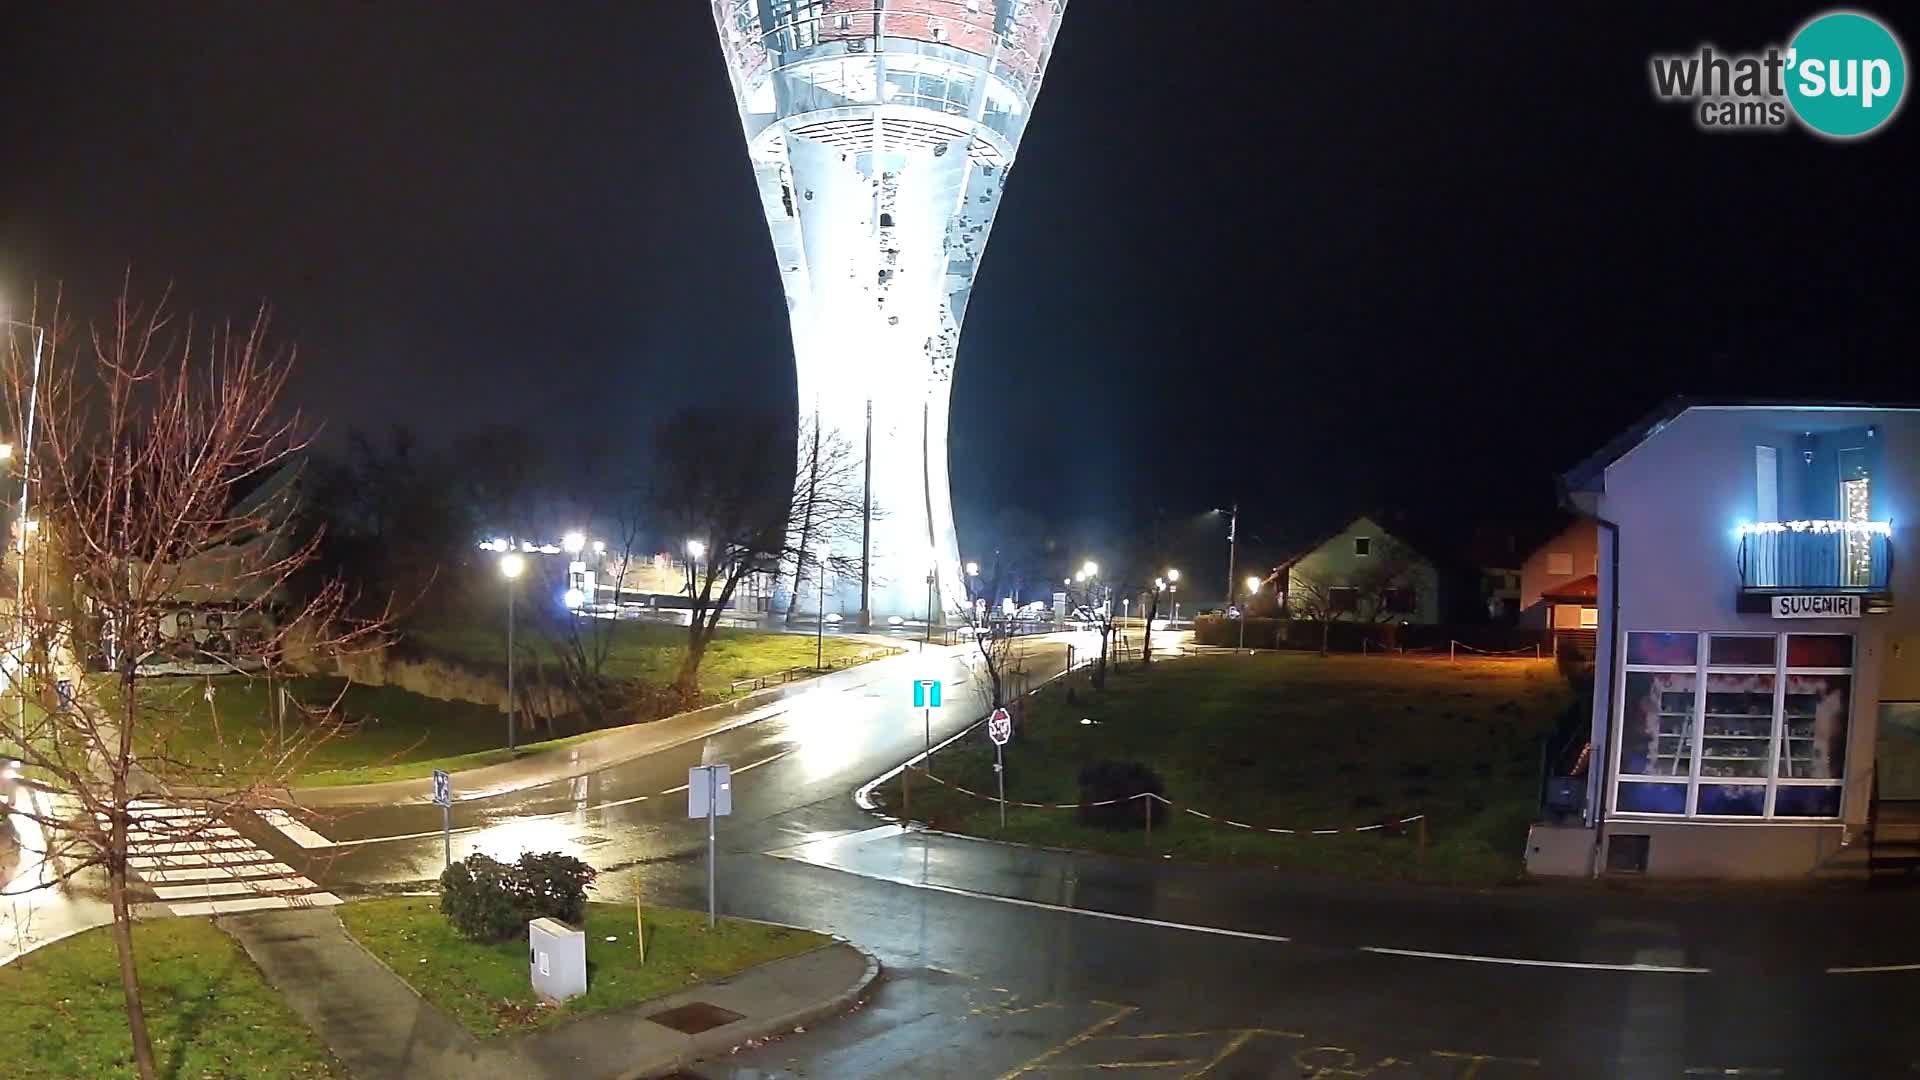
(1421, 840)
(906, 793)
(1451, 658)
(1146, 804)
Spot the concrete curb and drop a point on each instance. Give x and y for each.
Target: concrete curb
(549, 766)
(711, 1045)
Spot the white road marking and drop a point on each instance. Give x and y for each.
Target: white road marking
(214, 890)
(294, 829)
(1062, 909)
(206, 873)
(1872, 969)
(1666, 969)
(212, 870)
(255, 903)
(403, 836)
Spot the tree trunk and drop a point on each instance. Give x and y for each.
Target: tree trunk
(1146, 640)
(688, 681)
(1326, 634)
(129, 973)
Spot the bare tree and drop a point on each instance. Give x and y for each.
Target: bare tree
(1090, 598)
(143, 436)
(1001, 664)
(727, 483)
(1386, 586)
(1310, 596)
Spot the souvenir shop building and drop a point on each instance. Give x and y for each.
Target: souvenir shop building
(1757, 671)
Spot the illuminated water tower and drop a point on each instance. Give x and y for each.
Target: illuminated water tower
(881, 133)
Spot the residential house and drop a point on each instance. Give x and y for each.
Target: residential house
(221, 603)
(1366, 573)
(1754, 670)
(1559, 586)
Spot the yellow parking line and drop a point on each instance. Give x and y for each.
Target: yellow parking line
(1475, 1061)
(1233, 1046)
(1127, 1065)
(1120, 1013)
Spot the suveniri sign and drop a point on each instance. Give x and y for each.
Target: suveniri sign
(1816, 607)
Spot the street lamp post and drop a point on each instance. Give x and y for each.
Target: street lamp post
(1233, 542)
(695, 550)
(20, 523)
(1173, 591)
(511, 566)
(1253, 586)
(820, 618)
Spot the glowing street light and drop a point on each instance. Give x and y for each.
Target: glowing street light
(512, 565)
(973, 569)
(1091, 569)
(1253, 589)
(696, 549)
(573, 543)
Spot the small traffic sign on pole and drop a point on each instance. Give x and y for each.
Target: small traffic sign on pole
(710, 795)
(443, 797)
(926, 698)
(1000, 729)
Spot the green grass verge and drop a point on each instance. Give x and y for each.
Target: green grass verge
(485, 986)
(210, 1013)
(398, 733)
(1282, 740)
(647, 651)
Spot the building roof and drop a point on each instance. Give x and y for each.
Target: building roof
(1583, 590)
(1585, 476)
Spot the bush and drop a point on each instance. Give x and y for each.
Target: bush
(477, 897)
(555, 886)
(1262, 633)
(1121, 780)
(487, 900)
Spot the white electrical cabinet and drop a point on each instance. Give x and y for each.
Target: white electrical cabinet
(556, 959)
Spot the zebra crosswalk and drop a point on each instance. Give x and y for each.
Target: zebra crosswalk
(199, 865)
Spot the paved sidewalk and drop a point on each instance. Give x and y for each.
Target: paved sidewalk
(614, 748)
(378, 1027)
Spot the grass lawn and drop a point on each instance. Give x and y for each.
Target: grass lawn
(210, 1013)
(648, 651)
(399, 734)
(1282, 740)
(485, 986)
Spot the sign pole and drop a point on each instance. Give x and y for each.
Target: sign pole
(926, 720)
(1000, 775)
(713, 790)
(443, 795)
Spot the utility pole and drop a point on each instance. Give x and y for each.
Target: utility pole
(866, 527)
(1233, 537)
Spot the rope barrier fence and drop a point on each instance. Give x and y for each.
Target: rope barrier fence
(1454, 646)
(1417, 821)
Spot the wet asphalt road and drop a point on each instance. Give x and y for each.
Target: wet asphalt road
(1187, 971)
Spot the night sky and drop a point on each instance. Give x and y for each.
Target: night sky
(1318, 258)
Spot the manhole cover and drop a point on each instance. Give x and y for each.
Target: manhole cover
(591, 841)
(695, 1017)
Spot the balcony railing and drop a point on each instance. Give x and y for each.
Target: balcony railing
(1830, 556)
